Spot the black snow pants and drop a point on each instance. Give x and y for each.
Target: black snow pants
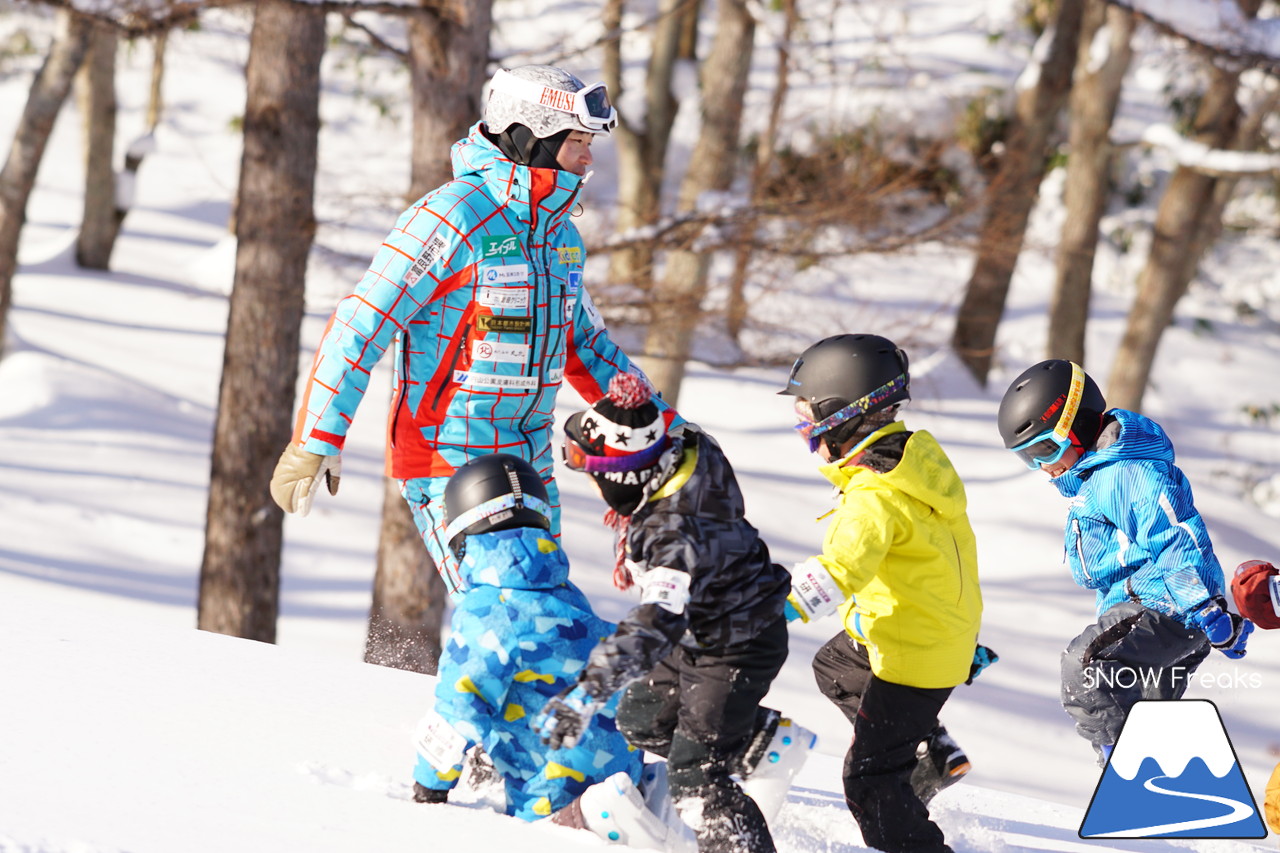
(889, 721)
(699, 710)
(1130, 653)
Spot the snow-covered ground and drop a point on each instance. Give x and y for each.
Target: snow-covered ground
(124, 729)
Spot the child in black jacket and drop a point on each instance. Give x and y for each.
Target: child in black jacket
(699, 652)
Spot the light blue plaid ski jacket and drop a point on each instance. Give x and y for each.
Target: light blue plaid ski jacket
(479, 290)
(1133, 532)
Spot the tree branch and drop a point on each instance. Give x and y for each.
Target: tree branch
(1215, 26)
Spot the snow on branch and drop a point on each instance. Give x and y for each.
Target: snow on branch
(1210, 161)
(146, 17)
(1216, 25)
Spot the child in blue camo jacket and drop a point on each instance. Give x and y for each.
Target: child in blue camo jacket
(520, 636)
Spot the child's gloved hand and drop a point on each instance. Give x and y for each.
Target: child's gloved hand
(1227, 631)
(792, 612)
(562, 721)
(983, 657)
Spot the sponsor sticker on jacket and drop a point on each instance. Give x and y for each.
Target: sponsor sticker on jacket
(503, 323)
(501, 246)
(499, 275)
(472, 379)
(575, 282)
(431, 253)
(597, 322)
(503, 297)
(495, 351)
(570, 254)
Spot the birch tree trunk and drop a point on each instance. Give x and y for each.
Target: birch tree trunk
(96, 94)
(275, 226)
(49, 90)
(1094, 98)
(1013, 191)
(642, 141)
(448, 60)
(736, 311)
(1181, 219)
(677, 299)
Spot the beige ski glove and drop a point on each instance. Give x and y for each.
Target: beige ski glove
(297, 477)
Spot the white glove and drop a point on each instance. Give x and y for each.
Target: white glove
(297, 477)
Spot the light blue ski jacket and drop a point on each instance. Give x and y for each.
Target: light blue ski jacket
(1133, 532)
(519, 636)
(479, 291)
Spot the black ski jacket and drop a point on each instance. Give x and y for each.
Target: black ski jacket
(692, 522)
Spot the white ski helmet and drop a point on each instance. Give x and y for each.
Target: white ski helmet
(547, 100)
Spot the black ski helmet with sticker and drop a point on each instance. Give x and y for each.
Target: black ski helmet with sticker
(1035, 402)
(494, 492)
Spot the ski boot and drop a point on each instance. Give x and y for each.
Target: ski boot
(616, 811)
(940, 763)
(773, 758)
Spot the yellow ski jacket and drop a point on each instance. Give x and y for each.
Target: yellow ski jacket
(900, 547)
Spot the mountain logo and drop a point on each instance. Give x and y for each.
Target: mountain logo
(1173, 774)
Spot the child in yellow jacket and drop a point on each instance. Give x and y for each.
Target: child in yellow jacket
(899, 564)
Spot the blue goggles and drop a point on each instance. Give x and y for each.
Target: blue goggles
(1045, 449)
(1049, 446)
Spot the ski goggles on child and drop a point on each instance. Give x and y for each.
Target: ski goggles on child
(812, 431)
(590, 105)
(1051, 445)
(579, 459)
(1045, 449)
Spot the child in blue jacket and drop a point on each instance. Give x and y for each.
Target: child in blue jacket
(1133, 534)
(519, 636)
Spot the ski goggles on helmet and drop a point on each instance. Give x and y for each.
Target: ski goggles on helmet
(578, 458)
(590, 105)
(812, 431)
(1051, 445)
(498, 509)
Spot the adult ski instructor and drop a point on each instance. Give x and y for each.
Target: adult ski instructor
(478, 289)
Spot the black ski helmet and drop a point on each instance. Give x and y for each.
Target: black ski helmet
(1040, 397)
(844, 369)
(494, 492)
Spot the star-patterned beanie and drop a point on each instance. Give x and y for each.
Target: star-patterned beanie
(619, 441)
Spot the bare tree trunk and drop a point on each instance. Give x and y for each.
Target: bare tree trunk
(409, 595)
(678, 298)
(687, 47)
(155, 96)
(448, 66)
(448, 60)
(642, 153)
(1093, 108)
(1250, 137)
(48, 92)
(736, 311)
(1013, 192)
(240, 573)
(1176, 243)
(96, 94)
